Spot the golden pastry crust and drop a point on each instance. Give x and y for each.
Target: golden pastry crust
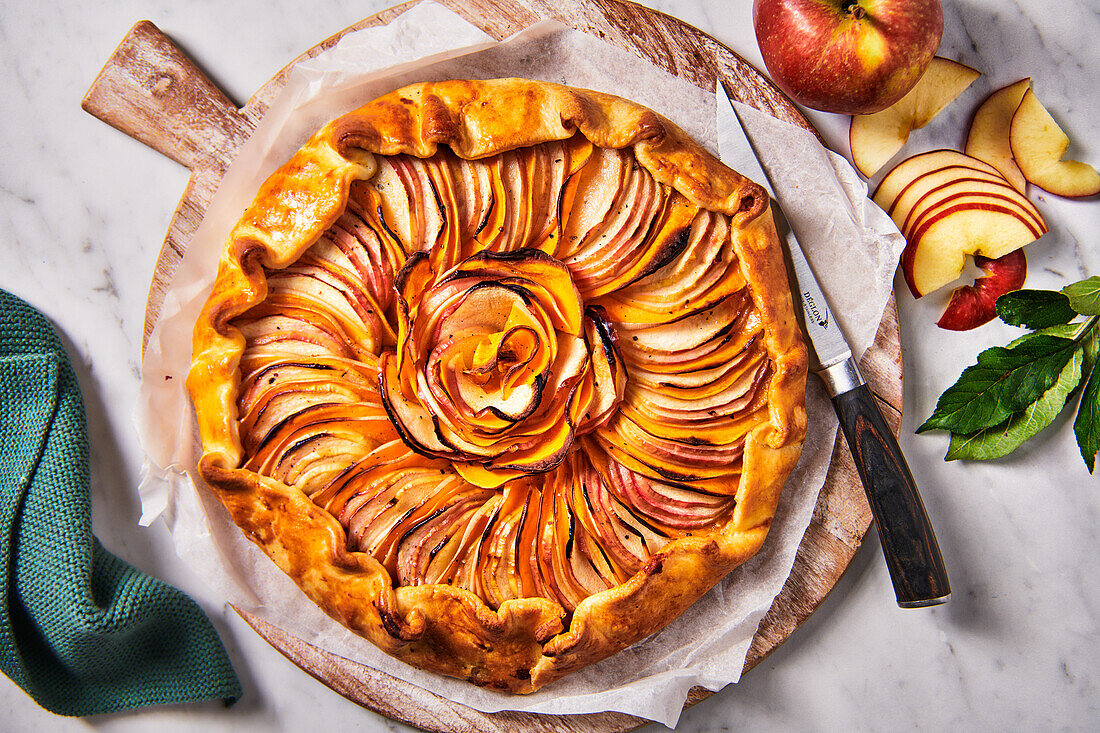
(516, 644)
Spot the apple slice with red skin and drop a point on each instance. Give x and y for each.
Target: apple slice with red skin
(876, 138)
(1038, 144)
(689, 283)
(610, 248)
(626, 545)
(988, 138)
(932, 181)
(570, 560)
(909, 209)
(967, 208)
(421, 214)
(937, 249)
(932, 205)
(975, 305)
(553, 549)
(598, 539)
(909, 170)
(664, 502)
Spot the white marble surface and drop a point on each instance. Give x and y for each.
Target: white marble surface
(83, 210)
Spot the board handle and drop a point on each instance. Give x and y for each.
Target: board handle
(150, 90)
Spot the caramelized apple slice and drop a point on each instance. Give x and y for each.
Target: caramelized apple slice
(1038, 145)
(589, 196)
(428, 550)
(703, 274)
(499, 556)
(988, 138)
(875, 138)
(673, 505)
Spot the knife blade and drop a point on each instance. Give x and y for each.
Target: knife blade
(908, 541)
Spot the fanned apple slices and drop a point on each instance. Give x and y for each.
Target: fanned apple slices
(949, 205)
(521, 375)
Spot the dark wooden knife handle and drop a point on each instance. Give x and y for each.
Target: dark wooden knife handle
(912, 553)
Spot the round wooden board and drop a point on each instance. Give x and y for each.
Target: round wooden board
(153, 92)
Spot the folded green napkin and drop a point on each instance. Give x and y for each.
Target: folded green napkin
(80, 630)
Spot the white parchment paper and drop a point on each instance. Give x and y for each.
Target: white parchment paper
(822, 195)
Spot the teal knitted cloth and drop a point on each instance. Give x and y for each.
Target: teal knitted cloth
(80, 630)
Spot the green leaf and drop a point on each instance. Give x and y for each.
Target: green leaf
(1084, 296)
(1008, 436)
(1035, 309)
(1064, 331)
(1092, 349)
(1087, 425)
(1003, 382)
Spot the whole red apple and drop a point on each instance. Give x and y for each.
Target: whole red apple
(848, 56)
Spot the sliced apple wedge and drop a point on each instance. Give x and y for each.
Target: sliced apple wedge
(975, 305)
(930, 182)
(931, 190)
(988, 138)
(909, 170)
(936, 250)
(932, 207)
(1038, 144)
(875, 138)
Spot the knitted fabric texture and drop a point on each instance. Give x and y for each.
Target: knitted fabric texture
(81, 631)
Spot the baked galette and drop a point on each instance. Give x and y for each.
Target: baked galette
(504, 375)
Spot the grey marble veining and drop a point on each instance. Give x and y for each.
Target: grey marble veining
(83, 210)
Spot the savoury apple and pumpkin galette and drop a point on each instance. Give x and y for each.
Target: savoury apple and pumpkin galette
(504, 374)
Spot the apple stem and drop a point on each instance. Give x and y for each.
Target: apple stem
(854, 9)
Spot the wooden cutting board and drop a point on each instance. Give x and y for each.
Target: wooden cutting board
(150, 90)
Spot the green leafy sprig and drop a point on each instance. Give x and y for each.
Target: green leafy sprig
(1014, 392)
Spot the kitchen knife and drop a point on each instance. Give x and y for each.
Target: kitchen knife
(908, 542)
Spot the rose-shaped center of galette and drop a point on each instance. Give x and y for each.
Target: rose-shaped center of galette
(498, 365)
(522, 375)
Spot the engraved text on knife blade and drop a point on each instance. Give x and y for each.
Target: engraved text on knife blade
(828, 341)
